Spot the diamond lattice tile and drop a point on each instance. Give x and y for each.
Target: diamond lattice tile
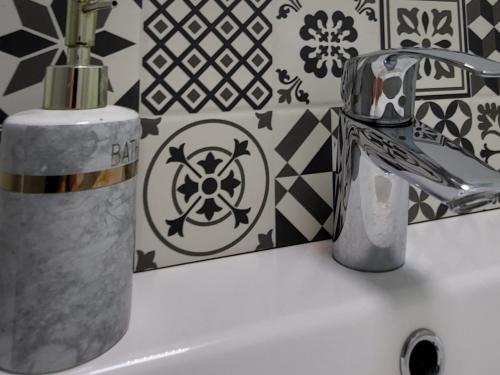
(228, 38)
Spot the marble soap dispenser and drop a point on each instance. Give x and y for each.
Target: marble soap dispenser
(67, 199)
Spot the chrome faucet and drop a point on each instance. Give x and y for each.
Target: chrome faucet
(382, 149)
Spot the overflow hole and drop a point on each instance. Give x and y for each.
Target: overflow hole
(424, 359)
(422, 354)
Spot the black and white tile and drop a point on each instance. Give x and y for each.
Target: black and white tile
(32, 37)
(206, 188)
(205, 54)
(311, 42)
(303, 141)
(487, 118)
(474, 124)
(454, 119)
(483, 22)
(429, 24)
(3, 116)
(303, 208)
(145, 261)
(423, 207)
(304, 145)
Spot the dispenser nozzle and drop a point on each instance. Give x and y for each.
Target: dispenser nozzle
(81, 24)
(98, 5)
(78, 84)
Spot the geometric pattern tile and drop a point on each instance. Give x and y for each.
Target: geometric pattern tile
(131, 98)
(429, 24)
(483, 21)
(454, 120)
(32, 38)
(306, 146)
(304, 150)
(304, 209)
(471, 124)
(3, 116)
(206, 53)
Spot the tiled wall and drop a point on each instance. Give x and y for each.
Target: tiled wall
(31, 37)
(235, 98)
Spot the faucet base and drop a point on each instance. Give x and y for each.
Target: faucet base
(371, 219)
(373, 237)
(367, 267)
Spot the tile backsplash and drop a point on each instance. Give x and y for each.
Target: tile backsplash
(238, 100)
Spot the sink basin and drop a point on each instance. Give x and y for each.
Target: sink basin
(295, 311)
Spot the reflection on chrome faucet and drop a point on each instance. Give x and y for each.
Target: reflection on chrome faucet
(375, 166)
(382, 149)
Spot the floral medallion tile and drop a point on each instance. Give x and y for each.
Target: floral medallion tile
(205, 188)
(430, 24)
(313, 41)
(205, 54)
(32, 37)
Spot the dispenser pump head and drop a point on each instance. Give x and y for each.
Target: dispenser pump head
(78, 85)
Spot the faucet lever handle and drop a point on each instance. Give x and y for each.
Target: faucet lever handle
(380, 87)
(475, 64)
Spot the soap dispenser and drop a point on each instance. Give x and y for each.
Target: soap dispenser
(67, 214)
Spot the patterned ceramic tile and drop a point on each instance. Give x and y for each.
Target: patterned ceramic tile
(205, 188)
(424, 207)
(31, 38)
(487, 117)
(205, 54)
(304, 209)
(472, 124)
(3, 116)
(303, 141)
(312, 41)
(429, 24)
(304, 147)
(454, 119)
(483, 20)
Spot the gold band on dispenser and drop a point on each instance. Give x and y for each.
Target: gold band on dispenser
(67, 184)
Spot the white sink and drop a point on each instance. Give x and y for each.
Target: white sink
(294, 311)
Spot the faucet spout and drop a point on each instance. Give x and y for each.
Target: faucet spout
(433, 163)
(375, 166)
